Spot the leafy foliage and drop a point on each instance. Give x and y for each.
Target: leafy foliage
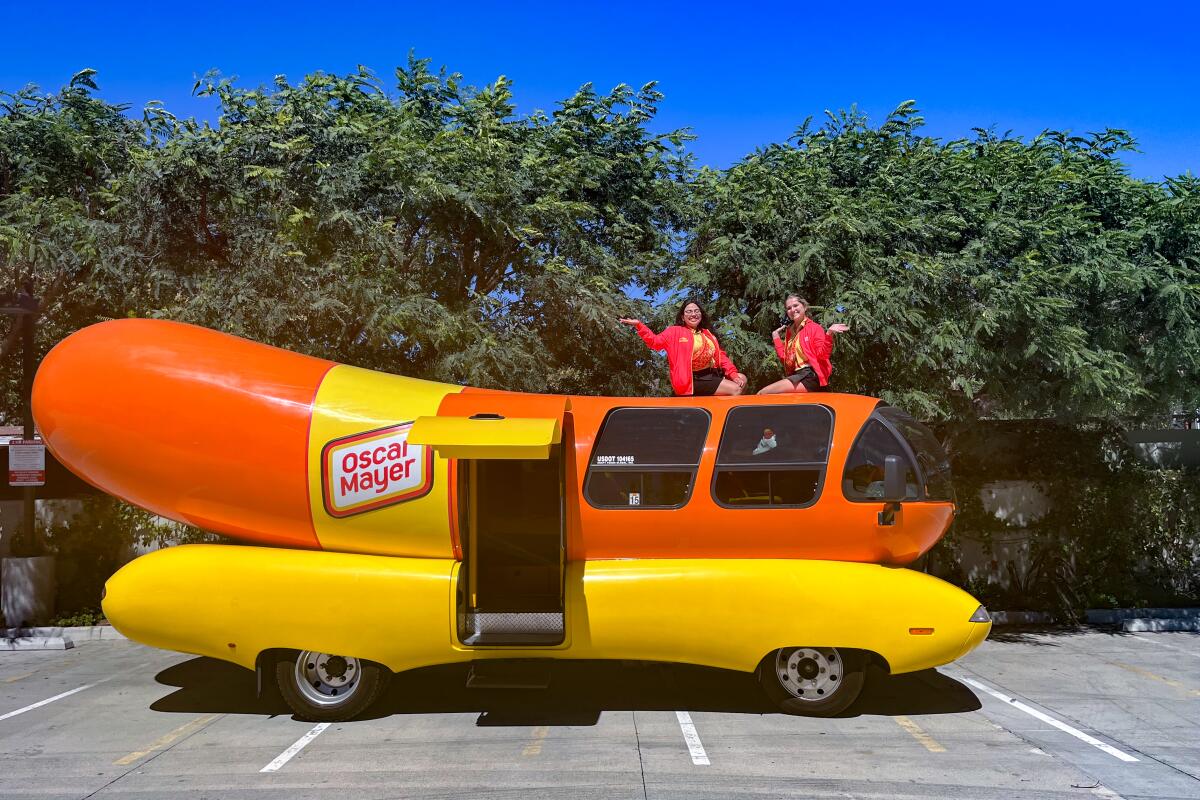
(431, 233)
(91, 545)
(62, 159)
(85, 616)
(984, 277)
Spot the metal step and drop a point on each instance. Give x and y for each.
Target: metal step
(536, 622)
(498, 639)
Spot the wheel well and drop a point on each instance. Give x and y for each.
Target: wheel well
(870, 656)
(264, 670)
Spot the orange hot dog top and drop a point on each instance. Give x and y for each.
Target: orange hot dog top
(192, 424)
(257, 443)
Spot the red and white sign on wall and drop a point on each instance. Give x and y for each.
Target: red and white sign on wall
(26, 463)
(371, 470)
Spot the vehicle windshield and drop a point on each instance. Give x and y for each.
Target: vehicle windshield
(930, 454)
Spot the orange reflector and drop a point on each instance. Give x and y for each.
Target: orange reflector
(920, 631)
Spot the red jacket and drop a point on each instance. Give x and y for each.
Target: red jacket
(815, 343)
(677, 341)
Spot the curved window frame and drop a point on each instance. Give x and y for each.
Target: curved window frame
(821, 466)
(691, 469)
(915, 453)
(909, 453)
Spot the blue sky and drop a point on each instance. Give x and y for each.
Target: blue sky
(740, 75)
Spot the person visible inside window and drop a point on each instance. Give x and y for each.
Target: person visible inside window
(766, 444)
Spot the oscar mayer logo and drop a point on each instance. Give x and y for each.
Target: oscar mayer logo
(371, 470)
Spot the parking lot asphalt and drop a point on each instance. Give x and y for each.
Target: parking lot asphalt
(1030, 714)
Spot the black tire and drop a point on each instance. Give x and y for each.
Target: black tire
(320, 687)
(813, 681)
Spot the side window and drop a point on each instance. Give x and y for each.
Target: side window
(772, 456)
(863, 478)
(931, 457)
(646, 458)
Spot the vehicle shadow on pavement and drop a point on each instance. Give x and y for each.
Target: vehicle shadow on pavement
(576, 694)
(206, 684)
(924, 692)
(1039, 635)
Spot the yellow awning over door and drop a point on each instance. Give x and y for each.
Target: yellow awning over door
(493, 425)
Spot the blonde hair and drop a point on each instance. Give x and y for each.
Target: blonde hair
(803, 302)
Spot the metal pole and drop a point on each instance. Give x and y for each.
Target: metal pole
(29, 492)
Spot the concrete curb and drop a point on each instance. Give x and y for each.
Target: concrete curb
(1109, 616)
(79, 633)
(1136, 625)
(1113, 616)
(36, 643)
(93, 632)
(1019, 617)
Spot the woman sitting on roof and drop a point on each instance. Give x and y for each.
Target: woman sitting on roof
(804, 350)
(697, 364)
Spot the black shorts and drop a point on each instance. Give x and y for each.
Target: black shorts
(806, 377)
(706, 382)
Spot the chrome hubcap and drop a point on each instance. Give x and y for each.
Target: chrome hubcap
(809, 673)
(326, 680)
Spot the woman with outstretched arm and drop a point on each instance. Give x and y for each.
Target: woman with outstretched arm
(804, 348)
(697, 364)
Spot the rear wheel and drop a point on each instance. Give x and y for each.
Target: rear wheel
(812, 681)
(322, 687)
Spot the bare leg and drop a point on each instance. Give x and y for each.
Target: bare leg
(727, 389)
(783, 386)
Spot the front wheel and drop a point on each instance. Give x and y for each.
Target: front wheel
(812, 681)
(321, 687)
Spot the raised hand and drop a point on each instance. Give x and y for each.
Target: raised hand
(627, 321)
(838, 327)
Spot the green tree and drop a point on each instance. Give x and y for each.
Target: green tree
(434, 233)
(62, 158)
(980, 277)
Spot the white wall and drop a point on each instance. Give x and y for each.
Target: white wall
(1020, 504)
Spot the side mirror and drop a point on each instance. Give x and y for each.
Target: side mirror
(895, 488)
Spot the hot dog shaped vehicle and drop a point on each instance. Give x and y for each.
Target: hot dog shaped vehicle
(401, 523)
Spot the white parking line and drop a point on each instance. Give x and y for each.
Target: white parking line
(1164, 644)
(699, 757)
(1049, 720)
(49, 700)
(299, 745)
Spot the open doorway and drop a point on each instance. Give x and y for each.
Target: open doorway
(511, 583)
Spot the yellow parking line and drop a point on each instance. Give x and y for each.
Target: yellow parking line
(1145, 673)
(159, 744)
(16, 678)
(535, 744)
(920, 735)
